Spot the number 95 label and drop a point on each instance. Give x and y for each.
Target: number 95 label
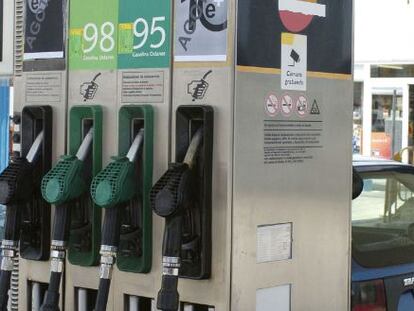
(144, 34)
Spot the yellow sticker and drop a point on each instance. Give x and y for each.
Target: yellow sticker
(288, 38)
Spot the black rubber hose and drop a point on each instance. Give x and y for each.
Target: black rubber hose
(4, 288)
(61, 227)
(61, 223)
(51, 300)
(168, 297)
(12, 225)
(110, 237)
(111, 227)
(103, 293)
(11, 233)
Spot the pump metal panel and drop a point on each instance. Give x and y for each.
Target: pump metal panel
(292, 159)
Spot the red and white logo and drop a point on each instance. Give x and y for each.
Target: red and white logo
(296, 15)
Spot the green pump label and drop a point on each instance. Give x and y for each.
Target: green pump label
(93, 34)
(144, 34)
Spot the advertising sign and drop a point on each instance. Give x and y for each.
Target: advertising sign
(200, 30)
(144, 34)
(93, 34)
(295, 36)
(44, 30)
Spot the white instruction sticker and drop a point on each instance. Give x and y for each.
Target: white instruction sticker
(274, 242)
(273, 298)
(294, 61)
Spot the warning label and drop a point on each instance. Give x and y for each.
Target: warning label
(44, 87)
(291, 141)
(315, 108)
(142, 87)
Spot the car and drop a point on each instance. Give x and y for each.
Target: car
(382, 271)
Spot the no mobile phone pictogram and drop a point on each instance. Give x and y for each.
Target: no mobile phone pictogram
(272, 105)
(287, 105)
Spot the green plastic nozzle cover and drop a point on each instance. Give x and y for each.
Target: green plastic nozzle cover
(115, 184)
(64, 182)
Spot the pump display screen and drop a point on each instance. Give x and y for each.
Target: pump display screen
(44, 30)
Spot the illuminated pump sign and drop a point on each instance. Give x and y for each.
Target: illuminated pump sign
(6, 37)
(44, 29)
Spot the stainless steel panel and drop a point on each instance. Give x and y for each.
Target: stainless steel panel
(314, 196)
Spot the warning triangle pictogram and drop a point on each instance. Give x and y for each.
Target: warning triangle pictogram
(315, 108)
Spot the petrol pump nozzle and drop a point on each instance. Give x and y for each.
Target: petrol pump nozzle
(112, 188)
(15, 190)
(170, 197)
(65, 181)
(61, 186)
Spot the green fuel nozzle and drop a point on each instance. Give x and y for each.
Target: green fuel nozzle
(117, 183)
(60, 186)
(66, 181)
(113, 187)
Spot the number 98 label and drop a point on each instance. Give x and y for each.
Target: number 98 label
(93, 34)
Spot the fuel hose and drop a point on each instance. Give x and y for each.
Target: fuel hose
(112, 189)
(16, 187)
(62, 186)
(170, 197)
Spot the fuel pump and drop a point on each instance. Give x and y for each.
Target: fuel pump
(18, 191)
(119, 188)
(64, 186)
(183, 197)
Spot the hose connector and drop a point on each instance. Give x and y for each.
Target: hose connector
(108, 257)
(8, 252)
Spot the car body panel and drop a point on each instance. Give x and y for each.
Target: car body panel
(400, 296)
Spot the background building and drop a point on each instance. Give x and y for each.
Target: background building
(384, 77)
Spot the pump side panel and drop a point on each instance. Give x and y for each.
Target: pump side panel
(211, 69)
(43, 82)
(292, 159)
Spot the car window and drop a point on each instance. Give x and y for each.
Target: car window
(383, 220)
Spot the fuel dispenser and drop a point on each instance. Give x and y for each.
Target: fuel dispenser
(237, 206)
(39, 78)
(122, 188)
(183, 197)
(27, 215)
(76, 220)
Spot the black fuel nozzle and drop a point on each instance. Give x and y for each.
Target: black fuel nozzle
(170, 197)
(112, 189)
(16, 189)
(62, 186)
